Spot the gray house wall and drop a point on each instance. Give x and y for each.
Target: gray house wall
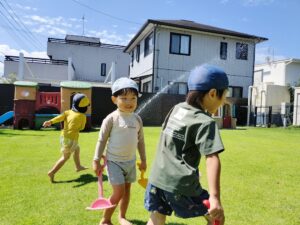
(205, 48)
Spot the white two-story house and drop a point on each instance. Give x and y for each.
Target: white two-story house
(163, 52)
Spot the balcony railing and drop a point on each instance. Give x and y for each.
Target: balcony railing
(86, 43)
(36, 60)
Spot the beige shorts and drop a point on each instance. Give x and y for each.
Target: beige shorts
(68, 145)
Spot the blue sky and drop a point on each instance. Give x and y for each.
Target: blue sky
(25, 25)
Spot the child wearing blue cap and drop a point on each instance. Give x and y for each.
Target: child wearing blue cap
(188, 133)
(74, 121)
(122, 131)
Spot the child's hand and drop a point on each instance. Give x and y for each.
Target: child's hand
(47, 124)
(97, 167)
(142, 165)
(216, 210)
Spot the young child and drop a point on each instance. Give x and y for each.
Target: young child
(122, 130)
(74, 121)
(188, 133)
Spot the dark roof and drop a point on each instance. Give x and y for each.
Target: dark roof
(191, 25)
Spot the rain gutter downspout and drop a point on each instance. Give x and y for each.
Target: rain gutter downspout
(154, 53)
(265, 93)
(250, 88)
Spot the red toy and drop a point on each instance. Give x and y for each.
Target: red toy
(207, 204)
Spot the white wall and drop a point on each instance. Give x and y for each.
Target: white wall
(280, 73)
(145, 65)
(38, 72)
(205, 48)
(87, 59)
(293, 74)
(266, 95)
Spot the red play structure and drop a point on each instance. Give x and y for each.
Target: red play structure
(47, 99)
(31, 112)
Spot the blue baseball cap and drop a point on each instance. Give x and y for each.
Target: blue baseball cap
(206, 77)
(122, 83)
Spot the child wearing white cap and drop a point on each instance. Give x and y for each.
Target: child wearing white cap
(121, 134)
(188, 133)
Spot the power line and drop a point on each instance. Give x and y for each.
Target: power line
(9, 28)
(105, 14)
(12, 31)
(19, 21)
(15, 24)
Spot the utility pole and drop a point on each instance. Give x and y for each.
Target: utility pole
(83, 25)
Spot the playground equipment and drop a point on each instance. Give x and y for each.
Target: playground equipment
(101, 202)
(32, 108)
(24, 104)
(6, 116)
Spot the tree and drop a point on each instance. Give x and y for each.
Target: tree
(10, 79)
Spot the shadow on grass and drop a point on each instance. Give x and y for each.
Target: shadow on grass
(140, 222)
(236, 129)
(18, 134)
(82, 180)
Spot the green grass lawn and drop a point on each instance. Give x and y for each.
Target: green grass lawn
(260, 179)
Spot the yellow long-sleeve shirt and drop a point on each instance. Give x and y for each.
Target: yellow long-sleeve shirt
(73, 123)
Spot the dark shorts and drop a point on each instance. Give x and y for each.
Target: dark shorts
(158, 200)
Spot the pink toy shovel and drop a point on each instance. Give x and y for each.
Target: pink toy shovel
(100, 203)
(207, 204)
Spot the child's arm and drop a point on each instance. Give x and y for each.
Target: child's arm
(54, 120)
(104, 133)
(47, 123)
(141, 147)
(213, 168)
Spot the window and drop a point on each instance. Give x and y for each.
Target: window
(235, 92)
(241, 51)
(177, 88)
(132, 57)
(103, 69)
(148, 45)
(223, 50)
(137, 54)
(180, 44)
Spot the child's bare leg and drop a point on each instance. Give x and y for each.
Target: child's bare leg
(157, 219)
(118, 192)
(76, 157)
(58, 165)
(124, 205)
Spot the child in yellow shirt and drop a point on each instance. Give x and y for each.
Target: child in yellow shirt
(74, 121)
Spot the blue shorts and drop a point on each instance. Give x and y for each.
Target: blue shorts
(158, 200)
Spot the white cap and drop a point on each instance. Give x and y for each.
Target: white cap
(123, 83)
